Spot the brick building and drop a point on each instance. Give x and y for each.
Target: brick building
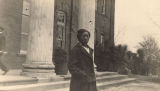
(31, 29)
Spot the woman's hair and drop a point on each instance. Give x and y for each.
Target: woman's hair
(80, 32)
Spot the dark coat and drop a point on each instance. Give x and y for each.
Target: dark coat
(82, 70)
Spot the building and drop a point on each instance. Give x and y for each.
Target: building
(104, 25)
(30, 30)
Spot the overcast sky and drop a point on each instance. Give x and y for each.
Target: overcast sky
(135, 19)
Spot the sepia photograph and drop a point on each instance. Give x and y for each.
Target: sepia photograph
(79, 45)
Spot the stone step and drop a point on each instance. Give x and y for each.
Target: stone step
(98, 79)
(101, 77)
(23, 80)
(110, 78)
(102, 86)
(35, 87)
(107, 84)
(16, 80)
(10, 80)
(44, 86)
(98, 74)
(105, 74)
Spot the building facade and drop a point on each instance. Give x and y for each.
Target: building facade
(30, 30)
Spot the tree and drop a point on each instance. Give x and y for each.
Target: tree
(151, 53)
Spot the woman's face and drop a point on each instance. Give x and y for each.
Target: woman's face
(84, 38)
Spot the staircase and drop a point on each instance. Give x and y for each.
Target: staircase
(61, 83)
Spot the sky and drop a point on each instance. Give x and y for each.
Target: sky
(135, 19)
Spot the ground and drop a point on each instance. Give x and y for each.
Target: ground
(137, 86)
(134, 86)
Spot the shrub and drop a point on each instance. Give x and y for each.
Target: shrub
(60, 56)
(99, 60)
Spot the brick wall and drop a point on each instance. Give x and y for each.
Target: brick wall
(105, 20)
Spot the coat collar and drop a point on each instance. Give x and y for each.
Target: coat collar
(85, 52)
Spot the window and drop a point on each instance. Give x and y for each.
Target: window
(102, 39)
(103, 6)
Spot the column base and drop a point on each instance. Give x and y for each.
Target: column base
(38, 71)
(38, 75)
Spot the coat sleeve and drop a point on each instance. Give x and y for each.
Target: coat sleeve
(73, 64)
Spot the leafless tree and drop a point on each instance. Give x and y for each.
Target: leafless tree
(151, 53)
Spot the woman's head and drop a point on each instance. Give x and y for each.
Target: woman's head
(83, 36)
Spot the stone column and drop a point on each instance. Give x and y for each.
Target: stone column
(87, 18)
(40, 42)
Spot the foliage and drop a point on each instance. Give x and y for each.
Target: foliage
(60, 56)
(149, 46)
(103, 57)
(118, 58)
(150, 57)
(111, 58)
(120, 55)
(99, 57)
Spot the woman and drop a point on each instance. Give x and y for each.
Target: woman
(81, 64)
